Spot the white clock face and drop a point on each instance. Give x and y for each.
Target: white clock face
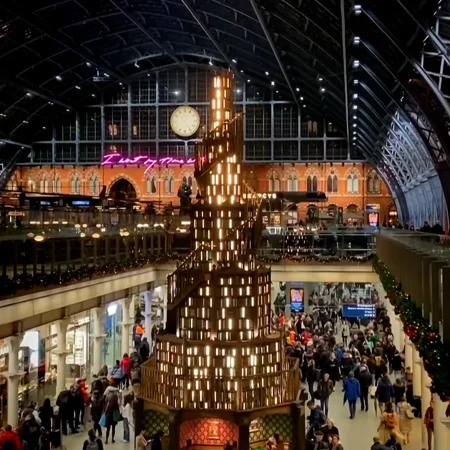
(185, 121)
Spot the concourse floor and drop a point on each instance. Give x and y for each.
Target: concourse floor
(75, 441)
(358, 434)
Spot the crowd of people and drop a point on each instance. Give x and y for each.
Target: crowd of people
(337, 355)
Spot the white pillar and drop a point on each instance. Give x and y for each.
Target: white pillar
(148, 316)
(126, 322)
(61, 351)
(441, 429)
(417, 373)
(14, 376)
(99, 336)
(426, 398)
(409, 361)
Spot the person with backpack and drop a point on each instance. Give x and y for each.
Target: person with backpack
(97, 404)
(9, 440)
(92, 442)
(316, 418)
(117, 373)
(30, 431)
(66, 411)
(389, 424)
(112, 413)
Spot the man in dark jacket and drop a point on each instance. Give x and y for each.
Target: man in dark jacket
(365, 381)
(66, 410)
(385, 392)
(144, 349)
(316, 418)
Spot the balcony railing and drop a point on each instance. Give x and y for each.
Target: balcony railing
(244, 393)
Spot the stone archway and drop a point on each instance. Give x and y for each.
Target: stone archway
(123, 192)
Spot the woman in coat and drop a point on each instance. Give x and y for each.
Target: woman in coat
(333, 369)
(384, 393)
(324, 390)
(399, 391)
(389, 424)
(405, 418)
(97, 405)
(112, 413)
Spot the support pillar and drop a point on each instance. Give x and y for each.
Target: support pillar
(409, 361)
(148, 317)
(441, 429)
(298, 426)
(13, 343)
(61, 331)
(99, 336)
(244, 433)
(126, 323)
(417, 373)
(174, 431)
(426, 398)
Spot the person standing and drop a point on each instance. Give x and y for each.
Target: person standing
(345, 333)
(384, 392)
(399, 392)
(46, 414)
(389, 424)
(352, 392)
(112, 413)
(127, 414)
(428, 420)
(324, 390)
(311, 376)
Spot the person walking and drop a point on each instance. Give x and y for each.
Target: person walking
(389, 424)
(92, 442)
(125, 364)
(324, 390)
(405, 417)
(352, 392)
(311, 376)
(428, 420)
(333, 369)
(384, 393)
(97, 405)
(399, 392)
(127, 414)
(397, 364)
(365, 381)
(112, 413)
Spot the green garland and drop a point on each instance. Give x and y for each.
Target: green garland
(436, 358)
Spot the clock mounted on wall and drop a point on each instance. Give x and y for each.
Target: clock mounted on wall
(185, 121)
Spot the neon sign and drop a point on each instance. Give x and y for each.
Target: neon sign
(149, 163)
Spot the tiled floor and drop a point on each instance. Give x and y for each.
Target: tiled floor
(75, 441)
(358, 434)
(355, 434)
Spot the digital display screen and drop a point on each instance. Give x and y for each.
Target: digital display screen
(44, 203)
(297, 299)
(359, 311)
(81, 203)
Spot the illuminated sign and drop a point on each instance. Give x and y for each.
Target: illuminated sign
(117, 158)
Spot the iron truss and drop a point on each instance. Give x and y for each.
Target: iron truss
(396, 101)
(377, 69)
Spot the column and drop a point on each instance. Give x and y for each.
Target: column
(441, 425)
(409, 362)
(298, 425)
(417, 373)
(244, 433)
(174, 431)
(99, 336)
(148, 317)
(61, 351)
(426, 398)
(126, 323)
(14, 376)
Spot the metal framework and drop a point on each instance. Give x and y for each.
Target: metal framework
(296, 55)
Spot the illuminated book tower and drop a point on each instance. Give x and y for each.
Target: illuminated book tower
(219, 353)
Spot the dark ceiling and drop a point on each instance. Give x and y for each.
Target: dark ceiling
(50, 50)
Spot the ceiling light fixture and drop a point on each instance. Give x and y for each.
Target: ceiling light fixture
(355, 81)
(88, 64)
(25, 121)
(210, 62)
(355, 96)
(267, 73)
(320, 79)
(234, 61)
(77, 87)
(28, 94)
(355, 106)
(356, 40)
(272, 83)
(58, 78)
(322, 89)
(301, 98)
(297, 89)
(248, 81)
(355, 63)
(137, 65)
(357, 9)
